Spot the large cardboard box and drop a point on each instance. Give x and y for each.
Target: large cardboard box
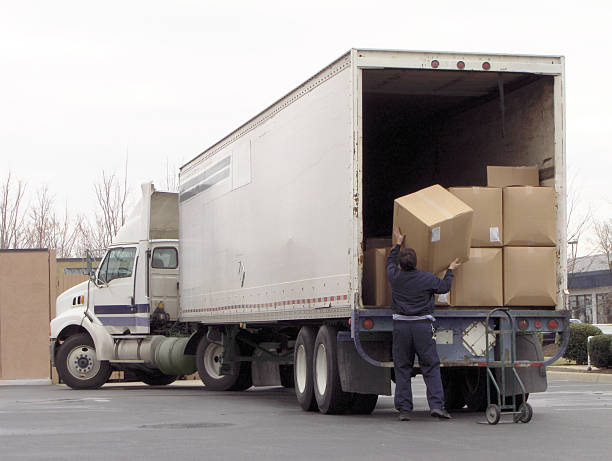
(376, 287)
(502, 176)
(530, 276)
(529, 216)
(437, 225)
(479, 281)
(487, 224)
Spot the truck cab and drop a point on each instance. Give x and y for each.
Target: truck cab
(109, 322)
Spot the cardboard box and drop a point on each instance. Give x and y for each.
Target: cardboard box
(436, 224)
(479, 282)
(376, 287)
(378, 242)
(502, 176)
(530, 276)
(487, 224)
(529, 216)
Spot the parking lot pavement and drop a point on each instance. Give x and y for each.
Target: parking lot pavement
(183, 422)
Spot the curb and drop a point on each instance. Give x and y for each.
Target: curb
(579, 376)
(25, 382)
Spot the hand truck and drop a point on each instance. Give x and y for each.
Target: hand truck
(507, 361)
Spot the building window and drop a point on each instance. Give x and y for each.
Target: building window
(604, 307)
(581, 307)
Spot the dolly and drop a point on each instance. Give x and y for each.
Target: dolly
(506, 362)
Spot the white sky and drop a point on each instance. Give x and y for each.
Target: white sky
(83, 82)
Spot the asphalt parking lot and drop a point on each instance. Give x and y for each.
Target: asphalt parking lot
(183, 422)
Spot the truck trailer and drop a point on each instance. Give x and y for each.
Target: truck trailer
(252, 274)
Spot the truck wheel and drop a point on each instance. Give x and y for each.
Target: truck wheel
(363, 404)
(208, 363)
(154, 378)
(286, 376)
(453, 393)
(302, 369)
(78, 366)
(474, 389)
(331, 399)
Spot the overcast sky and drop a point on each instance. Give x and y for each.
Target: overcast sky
(83, 83)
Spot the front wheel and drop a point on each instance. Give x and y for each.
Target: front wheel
(78, 365)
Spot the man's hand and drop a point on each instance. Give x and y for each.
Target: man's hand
(399, 238)
(455, 264)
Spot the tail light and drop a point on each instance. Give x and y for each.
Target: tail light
(553, 324)
(435, 64)
(486, 65)
(537, 324)
(368, 324)
(460, 65)
(523, 324)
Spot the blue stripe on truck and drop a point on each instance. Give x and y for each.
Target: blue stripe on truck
(125, 321)
(122, 309)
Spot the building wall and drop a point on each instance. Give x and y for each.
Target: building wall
(27, 302)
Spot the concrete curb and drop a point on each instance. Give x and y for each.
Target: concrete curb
(25, 382)
(585, 377)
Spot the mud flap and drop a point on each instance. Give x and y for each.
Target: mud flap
(357, 375)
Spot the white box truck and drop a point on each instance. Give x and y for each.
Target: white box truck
(265, 239)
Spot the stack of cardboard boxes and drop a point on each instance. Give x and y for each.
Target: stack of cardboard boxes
(513, 255)
(504, 233)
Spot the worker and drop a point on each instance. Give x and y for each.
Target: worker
(412, 302)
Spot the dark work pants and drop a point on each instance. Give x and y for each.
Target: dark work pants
(410, 337)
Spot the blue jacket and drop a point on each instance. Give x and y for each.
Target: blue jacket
(412, 292)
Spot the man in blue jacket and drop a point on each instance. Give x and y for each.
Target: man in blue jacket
(412, 302)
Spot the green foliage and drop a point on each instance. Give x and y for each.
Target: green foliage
(577, 347)
(600, 349)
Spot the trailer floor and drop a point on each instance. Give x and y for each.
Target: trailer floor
(183, 422)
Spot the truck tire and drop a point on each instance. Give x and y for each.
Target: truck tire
(208, 363)
(362, 404)
(331, 399)
(302, 369)
(154, 378)
(78, 366)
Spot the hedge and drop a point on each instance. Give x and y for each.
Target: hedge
(577, 347)
(600, 349)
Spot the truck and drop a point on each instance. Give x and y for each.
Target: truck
(252, 273)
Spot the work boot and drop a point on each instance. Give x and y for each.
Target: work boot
(440, 413)
(404, 416)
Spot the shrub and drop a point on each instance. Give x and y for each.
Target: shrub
(600, 349)
(577, 347)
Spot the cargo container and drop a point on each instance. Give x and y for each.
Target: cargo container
(273, 222)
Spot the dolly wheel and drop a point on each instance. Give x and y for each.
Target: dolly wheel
(493, 413)
(526, 413)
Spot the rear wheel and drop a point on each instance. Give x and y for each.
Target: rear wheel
(302, 368)
(331, 399)
(78, 365)
(208, 363)
(154, 378)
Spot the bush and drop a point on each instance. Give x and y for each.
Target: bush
(577, 347)
(601, 351)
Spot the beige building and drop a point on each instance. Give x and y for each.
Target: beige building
(27, 303)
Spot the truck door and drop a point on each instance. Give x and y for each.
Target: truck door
(164, 276)
(114, 302)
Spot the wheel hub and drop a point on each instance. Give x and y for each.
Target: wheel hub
(83, 362)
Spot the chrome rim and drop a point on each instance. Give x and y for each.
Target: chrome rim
(212, 360)
(301, 369)
(83, 362)
(321, 368)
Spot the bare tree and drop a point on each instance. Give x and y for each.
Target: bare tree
(64, 234)
(172, 178)
(578, 218)
(603, 239)
(41, 218)
(11, 214)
